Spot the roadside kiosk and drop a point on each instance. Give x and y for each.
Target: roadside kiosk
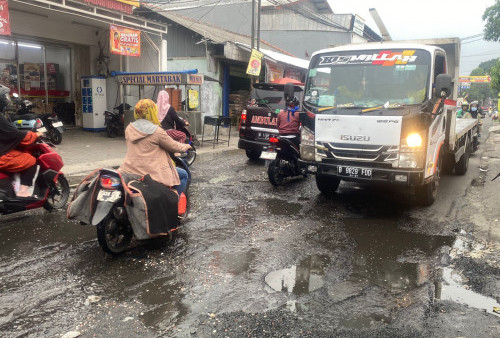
(184, 88)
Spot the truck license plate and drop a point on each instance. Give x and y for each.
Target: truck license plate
(354, 172)
(109, 195)
(268, 155)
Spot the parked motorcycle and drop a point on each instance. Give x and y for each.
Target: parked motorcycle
(114, 121)
(285, 163)
(116, 208)
(25, 119)
(50, 184)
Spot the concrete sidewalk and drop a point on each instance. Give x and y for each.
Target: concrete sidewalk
(84, 151)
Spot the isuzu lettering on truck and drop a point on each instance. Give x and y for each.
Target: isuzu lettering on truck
(384, 112)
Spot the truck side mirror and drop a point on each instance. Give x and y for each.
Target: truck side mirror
(443, 86)
(289, 91)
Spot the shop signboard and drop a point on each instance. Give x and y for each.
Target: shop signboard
(358, 25)
(125, 41)
(166, 79)
(274, 71)
(121, 6)
(4, 18)
(195, 79)
(474, 79)
(255, 63)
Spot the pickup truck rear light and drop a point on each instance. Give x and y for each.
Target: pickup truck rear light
(243, 119)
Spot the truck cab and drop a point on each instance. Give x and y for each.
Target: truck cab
(258, 120)
(383, 113)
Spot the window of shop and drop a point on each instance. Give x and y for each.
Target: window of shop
(38, 72)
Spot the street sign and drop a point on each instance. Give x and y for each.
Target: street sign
(474, 79)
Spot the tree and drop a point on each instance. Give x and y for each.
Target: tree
(492, 17)
(495, 77)
(487, 65)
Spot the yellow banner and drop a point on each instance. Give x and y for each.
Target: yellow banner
(193, 99)
(124, 41)
(255, 63)
(130, 2)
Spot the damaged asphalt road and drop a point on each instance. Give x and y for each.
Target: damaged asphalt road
(257, 261)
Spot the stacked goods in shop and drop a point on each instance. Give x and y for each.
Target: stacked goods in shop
(237, 102)
(175, 96)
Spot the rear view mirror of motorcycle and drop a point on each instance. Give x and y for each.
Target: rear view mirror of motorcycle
(289, 92)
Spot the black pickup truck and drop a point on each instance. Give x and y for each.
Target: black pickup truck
(258, 121)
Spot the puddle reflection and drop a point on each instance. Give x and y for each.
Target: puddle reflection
(300, 279)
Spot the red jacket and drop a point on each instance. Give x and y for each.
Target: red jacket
(288, 124)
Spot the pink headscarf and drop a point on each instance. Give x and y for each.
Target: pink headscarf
(163, 103)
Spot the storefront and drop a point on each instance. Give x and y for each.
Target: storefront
(53, 45)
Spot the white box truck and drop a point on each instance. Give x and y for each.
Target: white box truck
(385, 112)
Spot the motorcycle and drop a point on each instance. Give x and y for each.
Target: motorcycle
(114, 121)
(190, 155)
(25, 119)
(50, 183)
(116, 208)
(285, 164)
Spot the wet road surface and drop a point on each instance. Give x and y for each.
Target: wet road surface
(252, 260)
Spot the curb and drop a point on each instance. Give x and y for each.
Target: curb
(74, 177)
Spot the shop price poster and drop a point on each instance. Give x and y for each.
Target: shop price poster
(255, 63)
(4, 18)
(124, 41)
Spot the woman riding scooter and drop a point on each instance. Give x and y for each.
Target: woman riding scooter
(148, 146)
(12, 157)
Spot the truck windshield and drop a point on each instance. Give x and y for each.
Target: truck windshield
(368, 78)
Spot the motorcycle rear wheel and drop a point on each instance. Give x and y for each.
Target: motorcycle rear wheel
(112, 133)
(274, 173)
(55, 136)
(113, 236)
(58, 194)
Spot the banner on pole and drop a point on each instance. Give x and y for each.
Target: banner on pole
(124, 41)
(4, 18)
(255, 63)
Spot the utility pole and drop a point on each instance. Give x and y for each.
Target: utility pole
(253, 23)
(258, 25)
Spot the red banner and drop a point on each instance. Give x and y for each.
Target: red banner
(4, 18)
(111, 4)
(124, 41)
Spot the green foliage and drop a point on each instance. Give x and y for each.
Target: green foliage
(487, 65)
(477, 72)
(480, 92)
(492, 17)
(495, 77)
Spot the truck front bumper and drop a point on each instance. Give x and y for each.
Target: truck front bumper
(406, 177)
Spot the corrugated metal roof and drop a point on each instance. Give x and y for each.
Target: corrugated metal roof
(279, 57)
(215, 34)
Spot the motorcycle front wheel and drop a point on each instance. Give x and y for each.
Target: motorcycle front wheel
(190, 155)
(55, 136)
(113, 236)
(58, 194)
(274, 173)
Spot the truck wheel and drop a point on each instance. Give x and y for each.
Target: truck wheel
(463, 164)
(274, 174)
(253, 154)
(327, 184)
(426, 194)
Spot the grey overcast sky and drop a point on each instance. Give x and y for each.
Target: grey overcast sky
(426, 19)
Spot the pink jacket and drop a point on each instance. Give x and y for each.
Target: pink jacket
(147, 152)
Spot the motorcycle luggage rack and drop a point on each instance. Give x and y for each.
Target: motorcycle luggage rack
(217, 122)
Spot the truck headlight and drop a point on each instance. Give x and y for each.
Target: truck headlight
(408, 160)
(307, 151)
(306, 137)
(414, 140)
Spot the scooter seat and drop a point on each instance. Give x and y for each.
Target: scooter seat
(26, 117)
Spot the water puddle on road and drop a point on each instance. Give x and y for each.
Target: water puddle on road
(277, 206)
(300, 279)
(232, 263)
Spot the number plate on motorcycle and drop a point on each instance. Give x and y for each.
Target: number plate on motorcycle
(57, 124)
(268, 155)
(354, 172)
(109, 195)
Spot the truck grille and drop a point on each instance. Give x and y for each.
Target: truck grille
(357, 152)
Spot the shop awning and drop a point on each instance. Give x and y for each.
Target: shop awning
(278, 57)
